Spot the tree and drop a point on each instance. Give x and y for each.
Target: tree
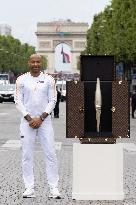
(14, 55)
(113, 32)
(44, 63)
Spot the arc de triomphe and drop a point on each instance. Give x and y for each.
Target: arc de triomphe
(51, 34)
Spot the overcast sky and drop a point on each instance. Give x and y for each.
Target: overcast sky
(23, 15)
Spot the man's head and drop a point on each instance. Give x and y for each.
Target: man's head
(35, 64)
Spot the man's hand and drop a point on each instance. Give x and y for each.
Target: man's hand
(35, 123)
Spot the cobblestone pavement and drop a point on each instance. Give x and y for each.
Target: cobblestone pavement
(11, 184)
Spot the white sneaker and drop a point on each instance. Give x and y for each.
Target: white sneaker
(54, 193)
(29, 193)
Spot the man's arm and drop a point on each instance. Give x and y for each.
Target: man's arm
(19, 95)
(52, 97)
(18, 98)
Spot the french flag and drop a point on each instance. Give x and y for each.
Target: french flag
(65, 56)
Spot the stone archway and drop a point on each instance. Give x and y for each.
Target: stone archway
(50, 34)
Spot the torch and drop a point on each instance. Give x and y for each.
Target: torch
(98, 103)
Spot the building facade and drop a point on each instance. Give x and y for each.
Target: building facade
(51, 34)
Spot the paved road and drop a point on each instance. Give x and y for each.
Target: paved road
(11, 185)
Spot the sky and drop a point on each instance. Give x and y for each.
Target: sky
(23, 15)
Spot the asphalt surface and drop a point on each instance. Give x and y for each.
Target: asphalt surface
(11, 184)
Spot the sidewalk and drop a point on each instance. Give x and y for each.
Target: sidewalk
(11, 185)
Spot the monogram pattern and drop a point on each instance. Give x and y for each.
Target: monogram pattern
(120, 117)
(74, 109)
(75, 113)
(98, 140)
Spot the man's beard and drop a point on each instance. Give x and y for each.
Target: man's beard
(35, 70)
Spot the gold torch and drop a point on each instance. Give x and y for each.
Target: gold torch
(98, 103)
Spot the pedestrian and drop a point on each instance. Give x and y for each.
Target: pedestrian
(35, 97)
(56, 109)
(133, 103)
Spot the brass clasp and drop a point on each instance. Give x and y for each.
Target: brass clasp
(81, 109)
(113, 109)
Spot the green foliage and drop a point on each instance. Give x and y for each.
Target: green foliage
(44, 63)
(14, 55)
(113, 32)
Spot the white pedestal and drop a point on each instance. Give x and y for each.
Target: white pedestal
(97, 172)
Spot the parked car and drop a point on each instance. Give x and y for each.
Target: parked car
(4, 78)
(7, 93)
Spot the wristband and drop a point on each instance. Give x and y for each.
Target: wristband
(28, 117)
(43, 116)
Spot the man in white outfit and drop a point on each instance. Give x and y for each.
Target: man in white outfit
(35, 97)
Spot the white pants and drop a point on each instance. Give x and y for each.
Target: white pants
(46, 136)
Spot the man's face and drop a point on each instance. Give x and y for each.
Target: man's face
(35, 64)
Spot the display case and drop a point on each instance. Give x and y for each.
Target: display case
(97, 106)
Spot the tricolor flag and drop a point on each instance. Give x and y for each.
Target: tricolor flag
(65, 56)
